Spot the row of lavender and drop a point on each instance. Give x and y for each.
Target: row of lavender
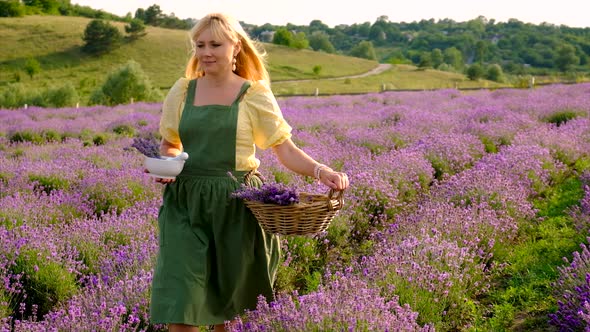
(440, 181)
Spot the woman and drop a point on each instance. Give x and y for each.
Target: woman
(214, 259)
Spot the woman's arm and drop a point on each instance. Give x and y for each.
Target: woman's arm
(299, 162)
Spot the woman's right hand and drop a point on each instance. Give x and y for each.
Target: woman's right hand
(334, 180)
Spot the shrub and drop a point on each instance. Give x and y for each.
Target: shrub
(32, 67)
(13, 96)
(124, 84)
(46, 282)
(135, 29)
(562, 117)
(475, 72)
(62, 96)
(100, 37)
(494, 73)
(11, 8)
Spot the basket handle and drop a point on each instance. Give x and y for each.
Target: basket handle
(331, 197)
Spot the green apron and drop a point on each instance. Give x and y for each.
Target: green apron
(214, 259)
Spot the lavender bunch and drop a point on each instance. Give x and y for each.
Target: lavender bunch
(150, 147)
(270, 193)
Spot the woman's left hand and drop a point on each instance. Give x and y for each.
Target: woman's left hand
(334, 180)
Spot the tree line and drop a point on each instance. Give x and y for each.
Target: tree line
(475, 46)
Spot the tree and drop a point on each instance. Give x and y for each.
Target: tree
(135, 28)
(153, 15)
(480, 51)
(282, 37)
(140, 14)
(437, 58)
(453, 57)
(100, 37)
(365, 50)
(566, 58)
(320, 41)
(475, 72)
(46, 6)
(494, 73)
(425, 60)
(32, 67)
(11, 8)
(299, 41)
(125, 83)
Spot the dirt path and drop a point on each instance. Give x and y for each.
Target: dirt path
(377, 70)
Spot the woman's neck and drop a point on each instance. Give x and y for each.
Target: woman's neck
(219, 80)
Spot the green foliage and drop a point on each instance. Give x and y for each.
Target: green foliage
(320, 41)
(27, 136)
(524, 287)
(44, 6)
(425, 60)
(16, 96)
(566, 58)
(45, 282)
(562, 117)
(494, 73)
(282, 37)
(99, 139)
(317, 69)
(365, 50)
(11, 8)
(124, 130)
(305, 264)
(62, 96)
(135, 29)
(475, 72)
(48, 183)
(437, 57)
(13, 96)
(299, 41)
(453, 57)
(101, 37)
(125, 84)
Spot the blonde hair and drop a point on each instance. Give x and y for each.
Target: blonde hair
(250, 62)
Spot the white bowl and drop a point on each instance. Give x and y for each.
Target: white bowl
(163, 168)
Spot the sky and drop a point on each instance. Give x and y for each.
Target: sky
(572, 13)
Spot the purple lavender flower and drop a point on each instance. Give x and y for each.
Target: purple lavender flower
(149, 146)
(269, 193)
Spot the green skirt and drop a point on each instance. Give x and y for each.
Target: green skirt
(214, 258)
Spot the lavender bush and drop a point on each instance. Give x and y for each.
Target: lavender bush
(441, 181)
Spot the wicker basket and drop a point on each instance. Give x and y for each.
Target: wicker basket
(311, 215)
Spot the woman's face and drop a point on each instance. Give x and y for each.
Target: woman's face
(215, 56)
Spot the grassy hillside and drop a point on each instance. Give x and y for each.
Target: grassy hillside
(56, 42)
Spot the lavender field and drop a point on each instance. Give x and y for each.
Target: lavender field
(467, 211)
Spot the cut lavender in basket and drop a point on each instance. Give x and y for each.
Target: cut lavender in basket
(270, 193)
(150, 147)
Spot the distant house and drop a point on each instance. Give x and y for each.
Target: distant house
(267, 36)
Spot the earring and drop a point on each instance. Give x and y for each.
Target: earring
(233, 64)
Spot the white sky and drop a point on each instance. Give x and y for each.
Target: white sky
(573, 13)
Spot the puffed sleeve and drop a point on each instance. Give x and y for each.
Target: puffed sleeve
(172, 110)
(269, 128)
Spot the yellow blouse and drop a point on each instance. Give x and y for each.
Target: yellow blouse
(260, 121)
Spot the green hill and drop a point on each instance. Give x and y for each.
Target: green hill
(56, 42)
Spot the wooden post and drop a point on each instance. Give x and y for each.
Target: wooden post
(317, 92)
